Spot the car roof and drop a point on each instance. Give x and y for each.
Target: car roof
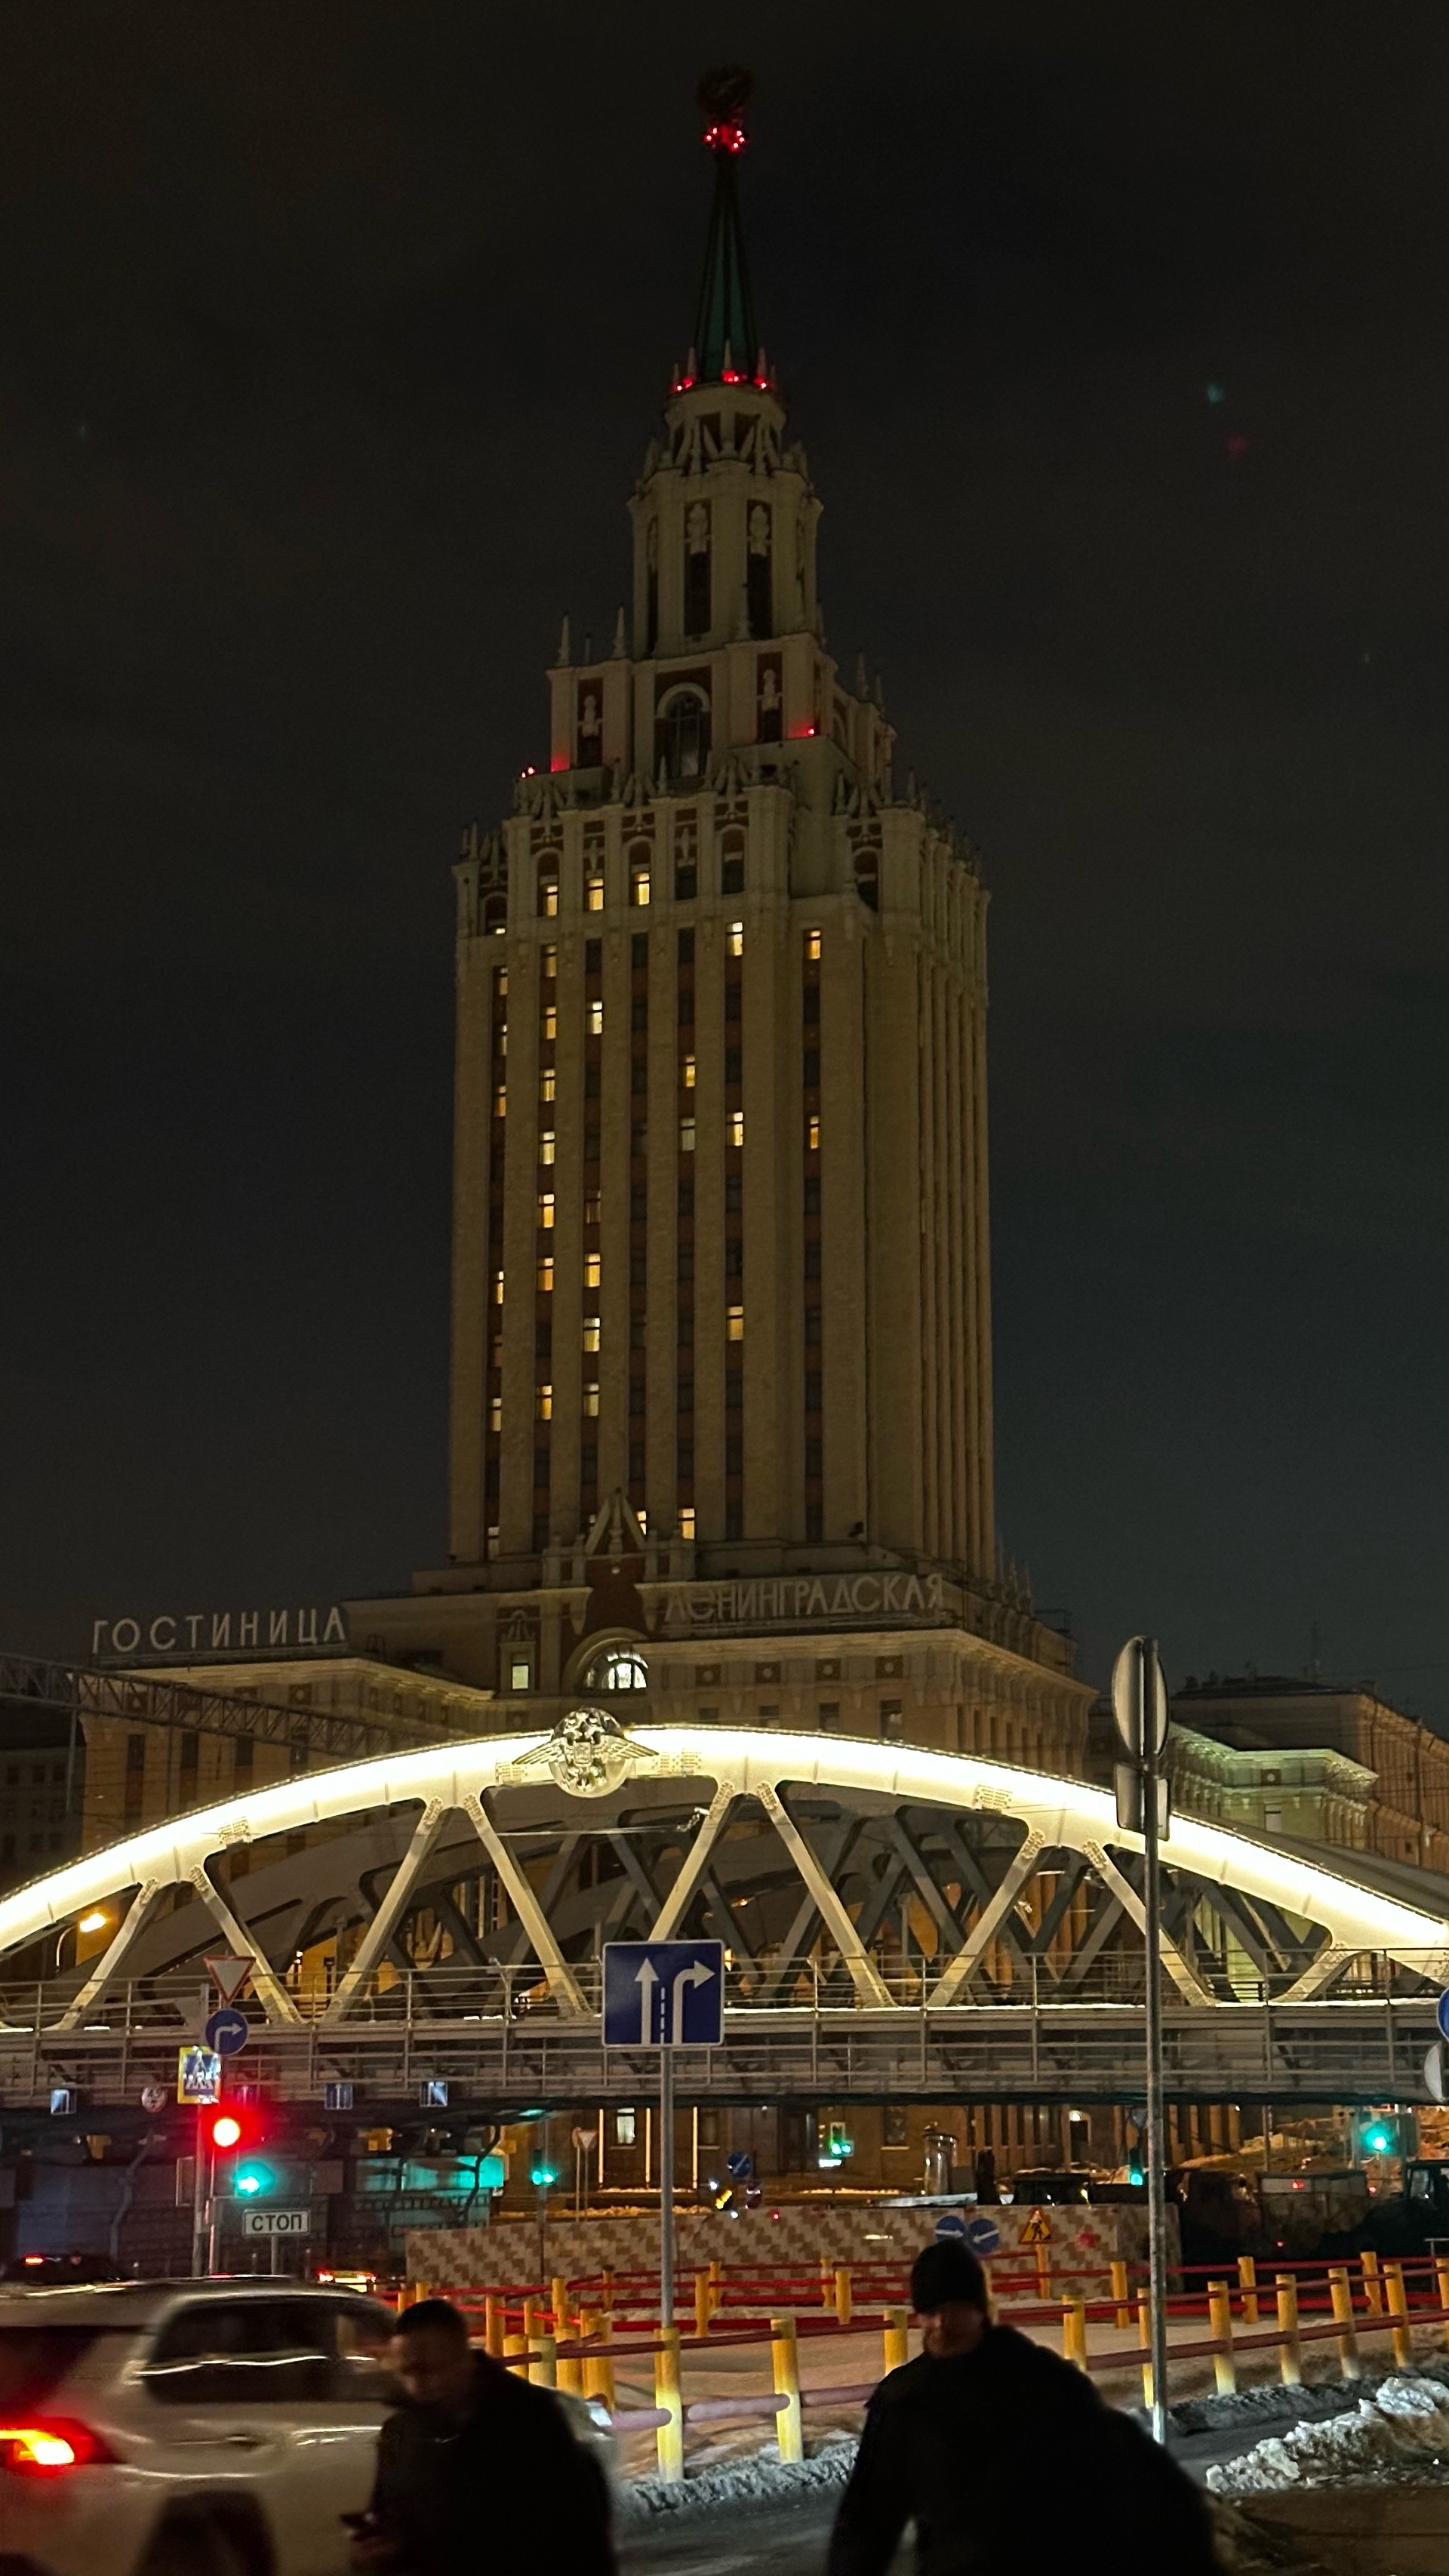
(140, 2303)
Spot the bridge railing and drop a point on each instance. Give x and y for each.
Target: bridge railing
(458, 1993)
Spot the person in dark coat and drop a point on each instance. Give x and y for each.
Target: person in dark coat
(1005, 2458)
(476, 2469)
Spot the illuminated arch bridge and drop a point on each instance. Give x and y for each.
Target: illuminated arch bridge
(860, 1878)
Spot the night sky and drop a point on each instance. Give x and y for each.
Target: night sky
(330, 340)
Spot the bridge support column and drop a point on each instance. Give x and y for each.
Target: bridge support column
(385, 1921)
(527, 1908)
(984, 1929)
(142, 1906)
(276, 2003)
(696, 1862)
(1184, 1976)
(869, 1984)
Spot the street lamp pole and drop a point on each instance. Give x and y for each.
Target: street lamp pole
(1156, 2139)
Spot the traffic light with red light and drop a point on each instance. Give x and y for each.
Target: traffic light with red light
(226, 2132)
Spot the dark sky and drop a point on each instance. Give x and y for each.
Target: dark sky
(330, 340)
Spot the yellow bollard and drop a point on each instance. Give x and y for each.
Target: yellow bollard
(1144, 2338)
(1373, 2295)
(1401, 2338)
(785, 2358)
(558, 2300)
(844, 2303)
(1290, 2359)
(716, 2285)
(1123, 2318)
(1248, 2284)
(1341, 2293)
(532, 2325)
(493, 2325)
(701, 2303)
(1044, 2271)
(1441, 2275)
(544, 2369)
(669, 2436)
(1220, 2327)
(827, 2282)
(599, 2367)
(896, 2341)
(1074, 2332)
(606, 2291)
(515, 2348)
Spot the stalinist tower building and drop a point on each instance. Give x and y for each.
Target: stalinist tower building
(721, 1374)
(721, 1285)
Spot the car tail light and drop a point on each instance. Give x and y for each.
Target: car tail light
(44, 2450)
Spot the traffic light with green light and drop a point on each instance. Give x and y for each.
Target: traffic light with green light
(542, 2175)
(1379, 2135)
(235, 2139)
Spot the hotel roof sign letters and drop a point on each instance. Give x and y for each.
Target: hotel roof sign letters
(193, 1636)
(808, 1600)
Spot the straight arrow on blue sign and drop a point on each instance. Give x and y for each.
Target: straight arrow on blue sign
(663, 1994)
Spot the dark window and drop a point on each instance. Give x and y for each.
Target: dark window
(812, 1260)
(814, 1460)
(812, 1069)
(812, 1002)
(638, 1206)
(734, 1191)
(684, 1458)
(732, 873)
(636, 1395)
(683, 735)
(686, 948)
(593, 956)
(696, 588)
(812, 1196)
(732, 999)
(639, 1078)
(686, 881)
(686, 1198)
(684, 1265)
(812, 1323)
(734, 1520)
(684, 1395)
(734, 1457)
(246, 2352)
(639, 948)
(812, 1390)
(639, 1012)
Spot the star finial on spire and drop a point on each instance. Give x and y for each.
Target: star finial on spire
(725, 338)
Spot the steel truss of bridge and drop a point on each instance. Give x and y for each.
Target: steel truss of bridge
(899, 1922)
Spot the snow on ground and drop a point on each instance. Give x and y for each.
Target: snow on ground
(1398, 2434)
(759, 2480)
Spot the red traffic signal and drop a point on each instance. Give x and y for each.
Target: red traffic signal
(226, 2131)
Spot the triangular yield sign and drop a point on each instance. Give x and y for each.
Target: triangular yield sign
(229, 1974)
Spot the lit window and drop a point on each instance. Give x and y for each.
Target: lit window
(591, 1208)
(500, 1101)
(548, 961)
(594, 894)
(626, 2128)
(503, 1041)
(548, 896)
(495, 1413)
(500, 983)
(686, 1521)
(592, 1270)
(497, 1287)
(812, 943)
(493, 1540)
(639, 886)
(591, 1332)
(596, 1019)
(545, 1207)
(686, 1135)
(735, 939)
(812, 1133)
(734, 1323)
(543, 1403)
(520, 1672)
(546, 1144)
(545, 1275)
(686, 1073)
(617, 1669)
(591, 1397)
(546, 1083)
(550, 1022)
(736, 1124)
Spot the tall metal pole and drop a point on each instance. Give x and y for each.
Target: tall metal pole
(200, 2199)
(1156, 2140)
(666, 2184)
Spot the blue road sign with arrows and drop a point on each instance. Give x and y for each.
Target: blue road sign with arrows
(663, 1994)
(227, 2031)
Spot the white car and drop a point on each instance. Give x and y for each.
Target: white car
(192, 2429)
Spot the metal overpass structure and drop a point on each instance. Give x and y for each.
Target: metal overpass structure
(900, 1924)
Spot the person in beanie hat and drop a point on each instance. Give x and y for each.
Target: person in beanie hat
(1005, 2458)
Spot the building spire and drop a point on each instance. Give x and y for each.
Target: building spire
(725, 339)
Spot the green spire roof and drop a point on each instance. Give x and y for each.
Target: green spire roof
(725, 338)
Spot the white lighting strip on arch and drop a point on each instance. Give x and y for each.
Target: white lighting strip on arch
(747, 1761)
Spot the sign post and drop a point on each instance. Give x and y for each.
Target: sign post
(664, 1995)
(1139, 1704)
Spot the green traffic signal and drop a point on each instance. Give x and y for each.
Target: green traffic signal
(544, 2176)
(253, 2181)
(1378, 2138)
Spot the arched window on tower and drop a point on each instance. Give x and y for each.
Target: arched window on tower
(696, 568)
(757, 570)
(732, 863)
(619, 1668)
(682, 734)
